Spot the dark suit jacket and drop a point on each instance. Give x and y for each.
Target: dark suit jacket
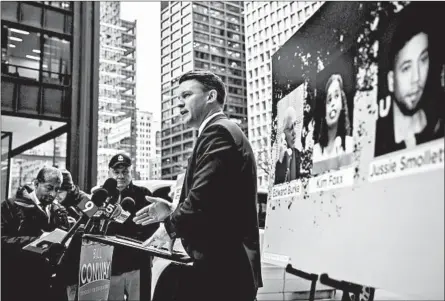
(282, 175)
(217, 216)
(124, 260)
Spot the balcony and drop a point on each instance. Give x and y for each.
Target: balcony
(127, 60)
(128, 73)
(128, 97)
(128, 84)
(129, 49)
(128, 37)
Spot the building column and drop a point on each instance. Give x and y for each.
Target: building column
(83, 133)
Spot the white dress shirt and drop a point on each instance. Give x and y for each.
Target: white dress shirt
(39, 204)
(204, 123)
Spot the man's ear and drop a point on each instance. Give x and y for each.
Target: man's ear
(212, 96)
(36, 184)
(390, 79)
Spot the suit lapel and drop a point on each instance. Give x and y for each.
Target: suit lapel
(188, 179)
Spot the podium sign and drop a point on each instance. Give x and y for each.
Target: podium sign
(95, 270)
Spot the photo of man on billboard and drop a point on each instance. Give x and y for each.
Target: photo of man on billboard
(411, 97)
(288, 145)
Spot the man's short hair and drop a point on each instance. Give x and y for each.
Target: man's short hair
(209, 80)
(408, 25)
(46, 173)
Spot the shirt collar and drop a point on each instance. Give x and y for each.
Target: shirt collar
(406, 127)
(34, 198)
(39, 204)
(206, 121)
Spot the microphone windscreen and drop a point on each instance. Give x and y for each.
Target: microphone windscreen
(110, 186)
(99, 197)
(128, 204)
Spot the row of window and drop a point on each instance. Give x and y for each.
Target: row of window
(218, 40)
(176, 26)
(38, 16)
(177, 72)
(218, 50)
(262, 141)
(35, 55)
(218, 31)
(175, 7)
(261, 83)
(233, 63)
(176, 53)
(276, 26)
(217, 22)
(256, 10)
(201, 11)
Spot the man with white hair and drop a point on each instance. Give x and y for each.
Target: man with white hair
(287, 167)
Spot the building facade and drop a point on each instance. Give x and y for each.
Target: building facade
(268, 26)
(155, 160)
(205, 35)
(145, 143)
(117, 89)
(49, 69)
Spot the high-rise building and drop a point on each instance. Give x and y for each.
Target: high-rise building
(268, 26)
(49, 90)
(145, 143)
(155, 161)
(205, 35)
(117, 88)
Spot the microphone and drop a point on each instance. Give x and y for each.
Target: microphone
(122, 212)
(97, 200)
(110, 186)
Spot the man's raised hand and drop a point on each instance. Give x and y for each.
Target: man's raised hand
(156, 212)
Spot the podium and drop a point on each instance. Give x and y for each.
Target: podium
(145, 266)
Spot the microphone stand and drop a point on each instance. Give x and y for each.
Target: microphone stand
(56, 280)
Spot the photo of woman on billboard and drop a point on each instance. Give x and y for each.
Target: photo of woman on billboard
(334, 138)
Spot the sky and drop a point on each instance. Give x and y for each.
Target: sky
(148, 53)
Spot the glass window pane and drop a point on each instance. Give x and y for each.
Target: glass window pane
(28, 99)
(54, 20)
(31, 15)
(56, 61)
(9, 11)
(52, 101)
(22, 56)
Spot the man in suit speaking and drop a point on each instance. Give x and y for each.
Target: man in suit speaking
(216, 217)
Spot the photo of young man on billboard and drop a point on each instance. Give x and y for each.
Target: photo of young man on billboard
(411, 95)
